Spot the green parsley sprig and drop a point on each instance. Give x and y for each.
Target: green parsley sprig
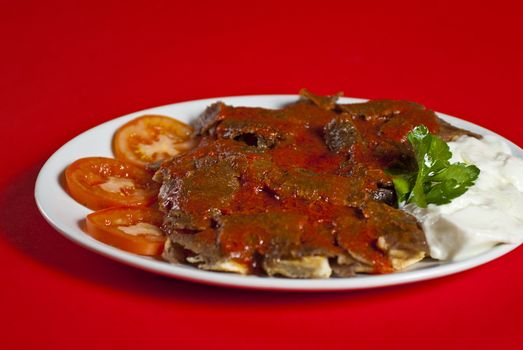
(436, 180)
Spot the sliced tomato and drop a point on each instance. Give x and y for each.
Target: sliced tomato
(151, 138)
(133, 229)
(99, 183)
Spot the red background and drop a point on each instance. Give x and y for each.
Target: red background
(66, 67)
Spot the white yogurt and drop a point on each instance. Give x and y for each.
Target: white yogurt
(490, 212)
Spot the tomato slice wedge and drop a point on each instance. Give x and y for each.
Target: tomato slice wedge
(133, 229)
(151, 139)
(98, 183)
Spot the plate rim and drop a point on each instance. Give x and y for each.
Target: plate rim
(190, 273)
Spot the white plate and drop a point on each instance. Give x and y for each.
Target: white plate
(66, 215)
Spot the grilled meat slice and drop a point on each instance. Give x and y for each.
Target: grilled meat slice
(250, 132)
(378, 110)
(449, 132)
(325, 102)
(206, 122)
(304, 267)
(254, 126)
(377, 129)
(400, 237)
(393, 119)
(342, 136)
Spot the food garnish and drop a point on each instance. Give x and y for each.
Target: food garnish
(151, 139)
(436, 180)
(99, 183)
(133, 229)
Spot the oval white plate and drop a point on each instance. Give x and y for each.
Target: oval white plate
(66, 215)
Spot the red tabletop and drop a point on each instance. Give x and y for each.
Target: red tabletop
(68, 66)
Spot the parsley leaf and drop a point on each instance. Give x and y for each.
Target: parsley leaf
(436, 180)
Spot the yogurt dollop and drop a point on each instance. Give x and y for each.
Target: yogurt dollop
(490, 212)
